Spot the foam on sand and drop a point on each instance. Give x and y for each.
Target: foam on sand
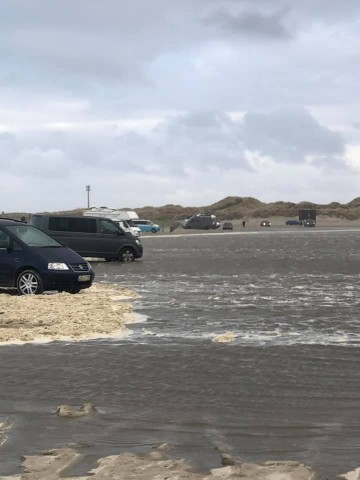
(97, 312)
(227, 337)
(4, 428)
(154, 466)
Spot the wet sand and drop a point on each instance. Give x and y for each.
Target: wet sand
(58, 463)
(97, 312)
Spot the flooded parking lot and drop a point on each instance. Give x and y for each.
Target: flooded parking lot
(285, 387)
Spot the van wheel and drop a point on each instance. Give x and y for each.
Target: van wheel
(126, 254)
(154, 230)
(29, 283)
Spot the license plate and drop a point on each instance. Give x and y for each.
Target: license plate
(83, 278)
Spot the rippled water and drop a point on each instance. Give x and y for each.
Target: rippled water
(287, 387)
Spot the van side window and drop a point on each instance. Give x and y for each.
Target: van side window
(68, 224)
(85, 225)
(59, 224)
(108, 227)
(4, 240)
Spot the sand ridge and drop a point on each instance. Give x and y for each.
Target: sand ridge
(99, 311)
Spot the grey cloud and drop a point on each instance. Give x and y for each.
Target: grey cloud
(40, 163)
(327, 163)
(199, 141)
(251, 24)
(202, 140)
(324, 11)
(289, 135)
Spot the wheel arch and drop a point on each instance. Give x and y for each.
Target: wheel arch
(127, 246)
(22, 269)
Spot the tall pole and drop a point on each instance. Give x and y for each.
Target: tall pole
(88, 195)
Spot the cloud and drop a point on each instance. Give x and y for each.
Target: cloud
(201, 140)
(38, 163)
(290, 135)
(251, 24)
(352, 156)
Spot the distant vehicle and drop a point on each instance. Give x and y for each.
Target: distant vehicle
(145, 225)
(121, 216)
(293, 222)
(90, 237)
(309, 223)
(227, 226)
(306, 214)
(33, 262)
(201, 221)
(265, 223)
(124, 224)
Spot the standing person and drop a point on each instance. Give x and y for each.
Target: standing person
(243, 223)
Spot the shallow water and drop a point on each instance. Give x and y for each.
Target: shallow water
(287, 387)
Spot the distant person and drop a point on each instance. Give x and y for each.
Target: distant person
(243, 223)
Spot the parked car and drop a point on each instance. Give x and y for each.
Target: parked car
(227, 226)
(124, 225)
(91, 236)
(265, 223)
(293, 222)
(33, 262)
(145, 225)
(201, 221)
(309, 223)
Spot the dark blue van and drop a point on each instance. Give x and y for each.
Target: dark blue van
(33, 262)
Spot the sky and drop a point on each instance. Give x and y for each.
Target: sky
(155, 102)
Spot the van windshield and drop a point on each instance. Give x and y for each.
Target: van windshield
(32, 236)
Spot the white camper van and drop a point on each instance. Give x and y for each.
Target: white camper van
(120, 216)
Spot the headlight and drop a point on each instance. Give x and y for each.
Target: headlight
(89, 266)
(57, 266)
(138, 241)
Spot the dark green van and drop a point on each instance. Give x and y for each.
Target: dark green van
(90, 236)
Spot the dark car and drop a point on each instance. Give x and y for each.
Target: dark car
(227, 226)
(293, 222)
(33, 262)
(265, 223)
(90, 236)
(201, 221)
(309, 223)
